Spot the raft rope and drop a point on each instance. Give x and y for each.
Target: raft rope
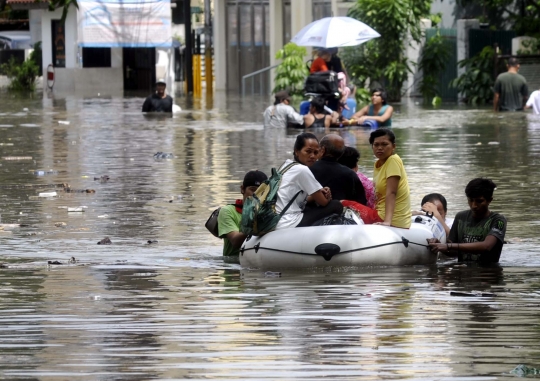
(404, 241)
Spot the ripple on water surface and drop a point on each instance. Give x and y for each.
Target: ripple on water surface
(175, 310)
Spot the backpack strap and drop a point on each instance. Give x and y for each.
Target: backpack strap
(297, 193)
(290, 203)
(282, 171)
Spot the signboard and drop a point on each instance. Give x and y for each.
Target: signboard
(124, 23)
(59, 43)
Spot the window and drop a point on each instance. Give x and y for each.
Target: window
(96, 57)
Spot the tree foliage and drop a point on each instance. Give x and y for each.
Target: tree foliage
(383, 59)
(522, 16)
(435, 55)
(64, 4)
(292, 71)
(476, 83)
(22, 76)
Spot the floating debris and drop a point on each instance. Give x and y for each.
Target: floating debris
(17, 158)
(152, 241)
(105, 241)
(163, 156)
(66, 122)
(60, 224)
(472, 294)
(43, 172)
(54, 263)
(272, 274)
(76, 209)
(102, 179)
(524, 371)
(47, 194)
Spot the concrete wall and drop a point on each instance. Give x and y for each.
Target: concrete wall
(71, 38)
(104, 80)
(99, 80)
(34, 16)
(220, 45)
(463, 27)
(165, 67)
(447, 8)
(413, 51)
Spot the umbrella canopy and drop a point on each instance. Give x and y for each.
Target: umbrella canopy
(333, 32)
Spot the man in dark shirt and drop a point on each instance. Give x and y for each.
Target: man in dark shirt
(342, 181)
(511, 90)
(159, 101)
(477, 234)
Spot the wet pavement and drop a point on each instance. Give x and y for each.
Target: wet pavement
(174, 309)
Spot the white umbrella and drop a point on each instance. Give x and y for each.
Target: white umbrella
(332, 32)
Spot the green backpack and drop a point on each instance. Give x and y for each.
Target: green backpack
(259, 214)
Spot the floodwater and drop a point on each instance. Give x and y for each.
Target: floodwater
(176, 310)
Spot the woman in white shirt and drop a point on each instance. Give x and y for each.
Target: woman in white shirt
(299, 182)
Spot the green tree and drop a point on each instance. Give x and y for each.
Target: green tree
(22, 76)
(383, 59)
(435, 55)
(292, 71)
(64, 4)
(522, 16)
(476, 83)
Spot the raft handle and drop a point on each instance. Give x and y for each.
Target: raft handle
(327, 250)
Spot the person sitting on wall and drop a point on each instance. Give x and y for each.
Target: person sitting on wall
(230, 216)
(477, 234)
(282, 114)
(160, 101)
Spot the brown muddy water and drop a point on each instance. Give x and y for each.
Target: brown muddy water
(176, 310)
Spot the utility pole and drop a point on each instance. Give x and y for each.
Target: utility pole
(189, 46)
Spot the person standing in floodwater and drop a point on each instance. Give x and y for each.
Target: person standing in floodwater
(160, 101)
(477, 234)
(511, 90)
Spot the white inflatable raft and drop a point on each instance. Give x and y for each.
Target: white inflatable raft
(343, 245)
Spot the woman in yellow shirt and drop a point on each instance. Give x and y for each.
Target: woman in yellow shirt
(393, 204)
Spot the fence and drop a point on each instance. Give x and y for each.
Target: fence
(450, 72)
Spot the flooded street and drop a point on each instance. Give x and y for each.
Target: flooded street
(176, 310)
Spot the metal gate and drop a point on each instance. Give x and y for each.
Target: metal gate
(480, 38)
(248, 42)
(450, 72)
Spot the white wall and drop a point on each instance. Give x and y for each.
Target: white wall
(276, 34)
(447, 8)
(220, 45)
(71, 34)
(34, 16)
(165, 67)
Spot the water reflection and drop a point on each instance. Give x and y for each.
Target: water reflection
(176, 310)
(144, 323)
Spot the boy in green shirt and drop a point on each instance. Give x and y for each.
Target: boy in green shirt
(477, 234)
(230, 216)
